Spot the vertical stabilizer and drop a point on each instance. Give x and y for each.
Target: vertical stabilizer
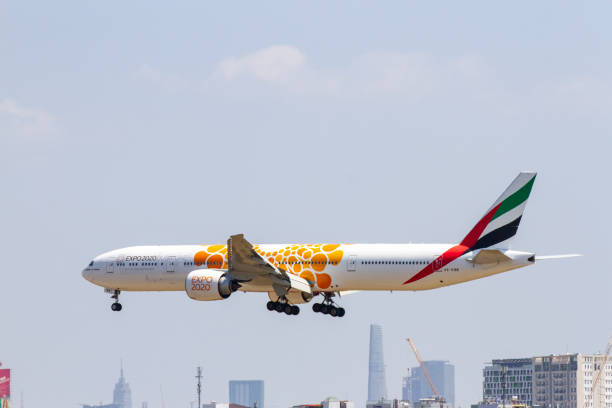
(500, 223)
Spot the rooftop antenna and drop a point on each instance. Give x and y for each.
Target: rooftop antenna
(199, 377)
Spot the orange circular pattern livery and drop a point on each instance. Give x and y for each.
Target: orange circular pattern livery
(307, 261)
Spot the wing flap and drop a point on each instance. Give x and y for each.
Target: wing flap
(300, 284)
(245, 264)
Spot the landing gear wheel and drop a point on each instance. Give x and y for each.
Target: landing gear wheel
(271, 305)
(116, 306)
(287, 309)
(327, 306)
(295, 310)
(279, 307)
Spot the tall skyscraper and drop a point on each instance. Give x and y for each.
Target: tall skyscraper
(416, 386)
(377, 384)
(247, 393)
(122, 395)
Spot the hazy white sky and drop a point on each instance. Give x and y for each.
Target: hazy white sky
(139, 123)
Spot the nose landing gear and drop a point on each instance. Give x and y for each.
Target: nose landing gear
(116, 306)
(328, 306)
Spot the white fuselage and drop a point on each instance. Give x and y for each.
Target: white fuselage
(354, 266)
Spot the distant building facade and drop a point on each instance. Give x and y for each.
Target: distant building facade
(377, 383)
(559, 381)
(415, 386)
(122, 395)
(248, 393)
(509, 377)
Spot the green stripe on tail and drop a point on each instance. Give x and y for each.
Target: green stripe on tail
(515, 199)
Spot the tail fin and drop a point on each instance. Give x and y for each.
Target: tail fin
(501, 221)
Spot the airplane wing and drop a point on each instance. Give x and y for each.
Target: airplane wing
(489, 256)
(246, 265)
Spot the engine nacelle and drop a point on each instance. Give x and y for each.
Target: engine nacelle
(294, 297)
(209, 284)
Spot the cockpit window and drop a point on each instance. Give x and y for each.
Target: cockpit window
(91, 263)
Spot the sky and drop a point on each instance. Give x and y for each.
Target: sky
(126, 123)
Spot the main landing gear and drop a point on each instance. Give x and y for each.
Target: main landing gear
(281, 305)
(116, 306)
(328, 306)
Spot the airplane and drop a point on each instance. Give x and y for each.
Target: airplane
(294, 274)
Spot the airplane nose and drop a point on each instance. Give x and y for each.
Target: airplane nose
(86, 274)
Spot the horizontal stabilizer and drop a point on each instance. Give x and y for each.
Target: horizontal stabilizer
(541, 258)
(489, 256)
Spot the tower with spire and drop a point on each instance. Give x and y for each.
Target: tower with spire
(122, 395)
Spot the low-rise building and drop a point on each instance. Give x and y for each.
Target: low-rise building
(497, 404)
(434, 402)
(215, 404)
(330, 402)
(383, 403)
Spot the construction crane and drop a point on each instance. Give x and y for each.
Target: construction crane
(602, 366)
(427, 376)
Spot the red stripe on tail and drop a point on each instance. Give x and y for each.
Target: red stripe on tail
(458, 250)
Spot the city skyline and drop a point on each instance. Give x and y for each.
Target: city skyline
(524, 373)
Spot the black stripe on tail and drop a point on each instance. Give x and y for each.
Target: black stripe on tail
(499, 235)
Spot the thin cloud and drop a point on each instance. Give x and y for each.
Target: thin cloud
(25, 120)
(278, 63)
(169, 82)
(371, 73)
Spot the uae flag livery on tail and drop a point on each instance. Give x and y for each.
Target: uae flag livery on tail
(495, 229)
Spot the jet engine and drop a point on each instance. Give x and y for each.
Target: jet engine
(209, 284)
(294, 297)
